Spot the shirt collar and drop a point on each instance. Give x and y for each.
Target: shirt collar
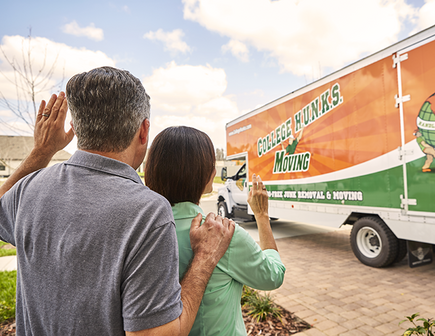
(104, 164)
(185, 210)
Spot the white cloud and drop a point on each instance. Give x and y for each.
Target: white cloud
(238, 49)
(178, 88)
(172, 40)
(426, 16)
(303, 34)
(192, 96)
(67, 61)
(5, 113)
(90, 31)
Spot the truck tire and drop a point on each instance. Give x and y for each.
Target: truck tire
(402, 250)
(222, 209)
(373, 243)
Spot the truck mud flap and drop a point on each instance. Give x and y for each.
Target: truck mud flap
(419, 254)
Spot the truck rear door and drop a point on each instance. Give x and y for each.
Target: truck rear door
(416, 105)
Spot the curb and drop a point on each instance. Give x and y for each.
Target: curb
(8, 263)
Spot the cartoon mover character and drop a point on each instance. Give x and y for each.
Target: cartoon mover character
(426, 131)
(290, 148)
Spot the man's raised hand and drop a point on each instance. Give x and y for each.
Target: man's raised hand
(50, 135)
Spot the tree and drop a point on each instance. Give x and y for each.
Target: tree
(29, 80)
(220, 154)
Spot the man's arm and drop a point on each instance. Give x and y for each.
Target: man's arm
(209, 243)
(49, 137)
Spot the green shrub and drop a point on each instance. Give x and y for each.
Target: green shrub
(8, 280)
(259, 307)
(247, 293)
(425, 329)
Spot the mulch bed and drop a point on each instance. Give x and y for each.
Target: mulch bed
(289, 324)
(7, 328)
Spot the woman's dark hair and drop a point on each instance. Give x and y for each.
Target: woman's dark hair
(179, 164)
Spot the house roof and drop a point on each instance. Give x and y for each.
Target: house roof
(19, 147)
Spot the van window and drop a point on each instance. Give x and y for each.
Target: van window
(242, 172)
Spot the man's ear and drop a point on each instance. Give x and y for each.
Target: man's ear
(72, 126)
(144, 131)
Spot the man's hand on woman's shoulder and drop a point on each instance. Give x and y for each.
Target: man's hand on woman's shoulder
(211, 239)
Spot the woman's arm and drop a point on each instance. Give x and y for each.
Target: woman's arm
(259, 202)
(258, 266)
(248, 264)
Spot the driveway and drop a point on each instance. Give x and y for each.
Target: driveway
(328, 287)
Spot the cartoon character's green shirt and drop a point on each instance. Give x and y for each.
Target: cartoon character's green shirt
(290, 149)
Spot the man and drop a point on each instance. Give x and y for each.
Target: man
(97, 251)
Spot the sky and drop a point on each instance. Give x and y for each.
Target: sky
(203, 62)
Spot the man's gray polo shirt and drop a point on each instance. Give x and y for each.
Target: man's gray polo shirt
(97, 250)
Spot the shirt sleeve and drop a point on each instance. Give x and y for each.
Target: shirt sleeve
(151, 291)
(7, 217)
(245, 262)
(9, 205)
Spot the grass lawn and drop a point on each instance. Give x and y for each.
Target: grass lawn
(7, 249)
(8, 280)
(217, 179)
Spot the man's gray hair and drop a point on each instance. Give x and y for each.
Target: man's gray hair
(107, 107)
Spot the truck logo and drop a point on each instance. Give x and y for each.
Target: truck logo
(291, 163)
(425, 133)
(286, 161)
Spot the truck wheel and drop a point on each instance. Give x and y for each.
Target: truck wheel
(373, 243)
(402, 250)
(222, 209)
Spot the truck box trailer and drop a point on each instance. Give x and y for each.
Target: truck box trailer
(355, 147)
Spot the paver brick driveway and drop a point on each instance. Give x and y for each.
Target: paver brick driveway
(328, 287)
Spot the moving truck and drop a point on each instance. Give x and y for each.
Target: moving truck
(356, 147)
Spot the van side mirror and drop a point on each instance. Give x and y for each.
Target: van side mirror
(224, 174)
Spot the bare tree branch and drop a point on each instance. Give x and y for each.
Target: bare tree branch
(28, 82)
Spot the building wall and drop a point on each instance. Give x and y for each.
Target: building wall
(12, 165)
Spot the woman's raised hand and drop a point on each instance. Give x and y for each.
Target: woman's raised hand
(258, 198)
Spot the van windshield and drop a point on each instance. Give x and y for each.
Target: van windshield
(242, 172)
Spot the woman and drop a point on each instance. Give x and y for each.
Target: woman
(181, 167)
